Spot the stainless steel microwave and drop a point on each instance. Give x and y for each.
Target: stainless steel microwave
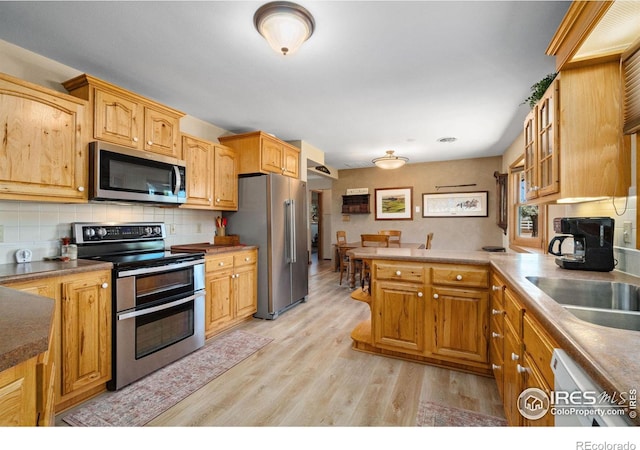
(123, 174)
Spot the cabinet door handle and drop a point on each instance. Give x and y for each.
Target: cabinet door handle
(221, 263)
(458, 277)
(80, 188)
(420, 294)
(495, 335)
(514, 357)
(521, 369)
(496, 312)
(104, 285)
(398, 273)
(217, 200)
(436, 296)
(149, 142)
(496, 288)
(247, 259)
(135, 139)
(496, 367)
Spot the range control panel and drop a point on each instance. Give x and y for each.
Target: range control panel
(117, 232)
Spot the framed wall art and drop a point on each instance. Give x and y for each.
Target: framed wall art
(455, 204)
(394, 203)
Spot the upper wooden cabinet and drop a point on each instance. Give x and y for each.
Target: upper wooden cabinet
(125, 118)
(542, 145)
(574, 132)
(212, 181)
(259, 152)
(44, 154)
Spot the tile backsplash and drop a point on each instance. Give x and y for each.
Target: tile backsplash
(40, 226)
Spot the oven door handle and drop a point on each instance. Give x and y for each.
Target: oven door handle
(164, 268)
(153, 309)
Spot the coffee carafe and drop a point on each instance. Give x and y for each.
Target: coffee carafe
(592, 243)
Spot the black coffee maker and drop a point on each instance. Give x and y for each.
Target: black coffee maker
(592, 243)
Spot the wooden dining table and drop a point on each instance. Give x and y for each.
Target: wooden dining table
(358, 245)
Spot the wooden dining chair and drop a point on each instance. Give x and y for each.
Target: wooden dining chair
(343, 259)
(429, 240)
(394, 236)
(341, 237)
(374, 240)
(370, 240)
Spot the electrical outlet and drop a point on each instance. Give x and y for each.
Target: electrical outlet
(199, 228)
(417, 209)
(1, 233)
(626, 231)
(172, 229)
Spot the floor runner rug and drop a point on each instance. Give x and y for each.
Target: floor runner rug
(140, 402)
(432, 414)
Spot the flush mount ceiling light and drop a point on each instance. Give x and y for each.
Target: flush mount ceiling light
(285, 25)
(390, 161)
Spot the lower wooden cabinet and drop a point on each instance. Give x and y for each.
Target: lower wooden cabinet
(80, 359)
(431, 313)
(399, 316)
(18, 401)
(520, 353)
(232, 289)
(461, 323)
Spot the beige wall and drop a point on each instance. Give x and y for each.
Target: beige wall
(461, 233)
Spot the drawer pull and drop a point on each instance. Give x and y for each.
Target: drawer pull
(458, 277)
(398, 273)
(496, 367)
(419, 294)
(221, 263)
(247, 259)
(436, 296)
(104, 285)
(514, 356)
(521, 369)
(495, 335)
(496, 312)
(496, 288)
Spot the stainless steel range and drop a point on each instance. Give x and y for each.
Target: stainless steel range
(158, 300)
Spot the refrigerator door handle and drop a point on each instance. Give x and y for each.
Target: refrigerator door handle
(292, 221)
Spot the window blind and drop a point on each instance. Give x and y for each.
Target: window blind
(631, 73)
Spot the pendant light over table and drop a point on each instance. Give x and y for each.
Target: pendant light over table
(390, 161)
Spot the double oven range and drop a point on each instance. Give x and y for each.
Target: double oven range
(158, 296)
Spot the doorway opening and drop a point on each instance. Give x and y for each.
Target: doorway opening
(315, 226)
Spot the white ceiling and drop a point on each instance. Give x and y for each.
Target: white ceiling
(375, 75)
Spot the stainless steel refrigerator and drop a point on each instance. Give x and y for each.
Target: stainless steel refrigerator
(272, 214)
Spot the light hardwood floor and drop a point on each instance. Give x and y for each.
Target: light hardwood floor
(309, 375)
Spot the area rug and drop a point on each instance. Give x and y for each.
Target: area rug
(140, 402)
(432, 414)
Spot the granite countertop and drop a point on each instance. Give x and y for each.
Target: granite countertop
(210, 249)
(422, 255)
(25, 325)
(608, 355)
(26, 319)
(44, 269)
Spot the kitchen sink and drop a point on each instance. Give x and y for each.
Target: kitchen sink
(606, 303)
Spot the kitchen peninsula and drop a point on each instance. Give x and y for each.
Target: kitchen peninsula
(439, 308)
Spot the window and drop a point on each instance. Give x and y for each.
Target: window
(526, 221)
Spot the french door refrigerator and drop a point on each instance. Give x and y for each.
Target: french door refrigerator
(272, 214)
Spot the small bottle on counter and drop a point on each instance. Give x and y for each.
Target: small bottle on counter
(68, 251)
